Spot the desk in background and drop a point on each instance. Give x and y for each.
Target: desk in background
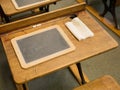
(110, 7)
(8, 9)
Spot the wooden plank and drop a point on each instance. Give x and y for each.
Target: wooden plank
(41, 18)
(105, 82)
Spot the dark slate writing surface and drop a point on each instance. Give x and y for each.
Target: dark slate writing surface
(41, 45)
(21, 3)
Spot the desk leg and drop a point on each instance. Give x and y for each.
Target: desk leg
(47, 8)
(111, 9)
(22, 87)
(75, 71)
(86, 1)
(3, 15)
(81, 73)
(105, 8)
(44, 8)
(73, 68)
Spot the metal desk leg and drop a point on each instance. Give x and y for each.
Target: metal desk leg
(47, 8)
(86, 1)
(81, 73)
(44, 8)
(22, 87)
(111, 9)
(3, 15)
(105, 8)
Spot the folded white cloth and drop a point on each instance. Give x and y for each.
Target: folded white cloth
(74, 30)
(79, 29)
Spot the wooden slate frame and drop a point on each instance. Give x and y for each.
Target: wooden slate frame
(21, 7)
(19, 54)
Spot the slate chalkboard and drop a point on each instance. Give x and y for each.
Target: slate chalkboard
(19, 4)
(41, 45)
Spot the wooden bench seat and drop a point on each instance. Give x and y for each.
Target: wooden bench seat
(104, 83)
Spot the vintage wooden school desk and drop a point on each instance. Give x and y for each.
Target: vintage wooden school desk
(8, 7)
(100, 43)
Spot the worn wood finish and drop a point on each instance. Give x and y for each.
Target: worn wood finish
(41, 18)
(84, 48)
(104, 83)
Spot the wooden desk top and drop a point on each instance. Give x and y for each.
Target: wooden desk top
(105, 82)
(101, 42)
(9, 8)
